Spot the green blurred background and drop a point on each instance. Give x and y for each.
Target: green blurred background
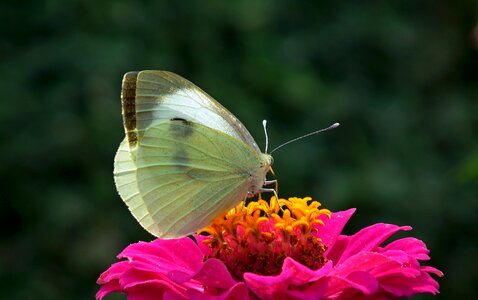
(401, 77)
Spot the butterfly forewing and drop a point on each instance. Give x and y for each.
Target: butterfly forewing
(161, 96)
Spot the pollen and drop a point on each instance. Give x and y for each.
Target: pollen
(257, 237)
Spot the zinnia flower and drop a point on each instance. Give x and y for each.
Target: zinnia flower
(262, 251)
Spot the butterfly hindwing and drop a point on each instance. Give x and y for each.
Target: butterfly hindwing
(186, 174)
(125, 175)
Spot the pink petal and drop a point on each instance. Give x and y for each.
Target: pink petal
(399, 256)
(392, 276)
(394, 268)
(238, 292)
(369, 238)
(139, 272)
(205, 249)
(406, 287)
(363, 282)
(107, 288)
(110, 279)
(334, 253)
(355, 283)
(330, 287)
(169, 295)
(152, 290)
(135, 278)
(113, 272)
(213, 273)
(293, 273)
(333, 226)
(432, 270)
(364, 261)
(166, 254)
(413, 247)
(316, 290)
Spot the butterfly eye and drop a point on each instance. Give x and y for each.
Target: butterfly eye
(272, 161)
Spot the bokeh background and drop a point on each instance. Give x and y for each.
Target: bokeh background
(401, 77)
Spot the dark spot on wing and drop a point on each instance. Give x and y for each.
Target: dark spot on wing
(181, 156)
(182, 120)
(181, 128)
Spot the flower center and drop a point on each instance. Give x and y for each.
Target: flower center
(257, 237)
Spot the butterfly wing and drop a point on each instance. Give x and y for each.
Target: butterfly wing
(184, 174)
(125, 175)
(153, 97)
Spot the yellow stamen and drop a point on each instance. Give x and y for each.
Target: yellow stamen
(260, 235)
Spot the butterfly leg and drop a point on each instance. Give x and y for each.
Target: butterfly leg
(263, 190)
(268, 182)
(274, 181)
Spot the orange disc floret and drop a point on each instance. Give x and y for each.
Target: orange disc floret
(260, 235)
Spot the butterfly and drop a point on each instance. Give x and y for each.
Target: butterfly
(185, 158)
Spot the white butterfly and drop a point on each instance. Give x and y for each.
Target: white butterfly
(185, 158)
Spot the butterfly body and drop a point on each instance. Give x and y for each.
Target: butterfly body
(185, 158)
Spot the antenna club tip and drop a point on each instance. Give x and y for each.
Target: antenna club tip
(335, 125)
(264, 122)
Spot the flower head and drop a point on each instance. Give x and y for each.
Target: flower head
(263, 251)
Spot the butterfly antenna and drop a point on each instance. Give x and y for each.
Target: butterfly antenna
(264, 124)
(335, 125)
